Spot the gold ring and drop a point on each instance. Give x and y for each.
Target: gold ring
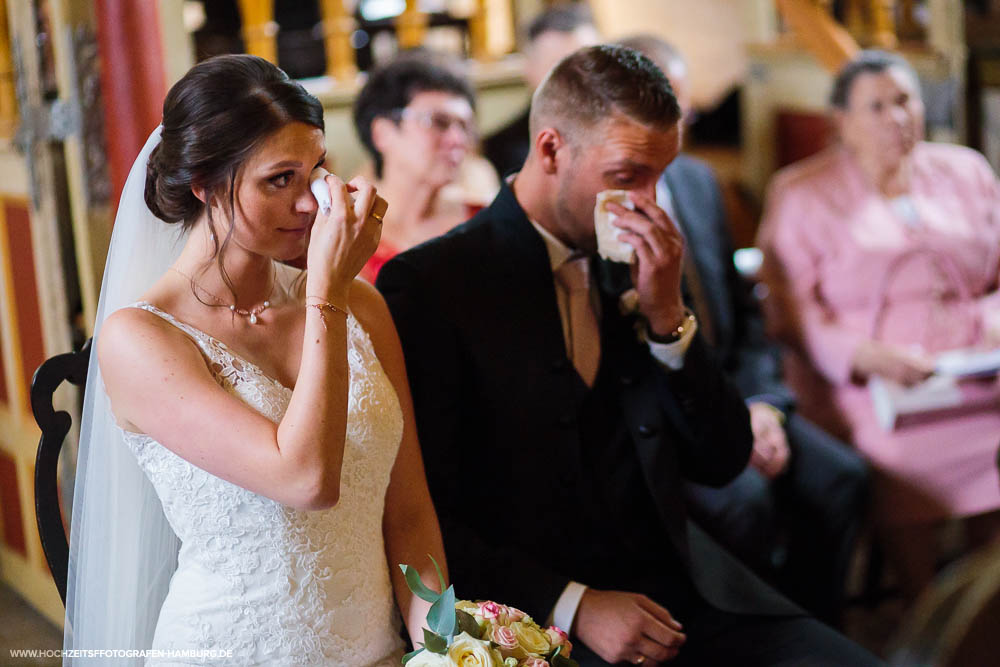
(640, 659)
(377, 217)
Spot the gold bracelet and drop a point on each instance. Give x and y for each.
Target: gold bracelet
(324, 306)
(321, 299)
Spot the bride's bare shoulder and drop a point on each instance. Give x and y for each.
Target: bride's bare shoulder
(367, 305)
(134, 338)
(371, 311)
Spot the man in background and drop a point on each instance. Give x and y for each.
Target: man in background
(795, 512)
(552, 35)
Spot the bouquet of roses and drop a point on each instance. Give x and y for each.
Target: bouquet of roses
(482, 634)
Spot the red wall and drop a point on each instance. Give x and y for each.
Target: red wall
(10, 505)
(29, 317)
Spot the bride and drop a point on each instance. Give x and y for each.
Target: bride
(249, 472)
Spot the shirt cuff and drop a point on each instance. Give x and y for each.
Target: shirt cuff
(565, 610)
(771, 399)
(671, 355)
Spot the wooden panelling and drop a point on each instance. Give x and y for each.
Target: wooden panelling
(4, 396)
(10, 506)
(800, 134)
(8, 99)
(29, 321)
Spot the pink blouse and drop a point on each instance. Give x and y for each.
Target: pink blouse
(845, 264)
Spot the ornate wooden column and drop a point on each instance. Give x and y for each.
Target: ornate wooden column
(856, 17)
(8, 99)
(882, 15)
(259, 29)
(338, 25)
(478, 33)
(411, 26)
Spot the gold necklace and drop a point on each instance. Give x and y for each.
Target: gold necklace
(250, 314)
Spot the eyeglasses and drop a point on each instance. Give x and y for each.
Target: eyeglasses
(439, 121)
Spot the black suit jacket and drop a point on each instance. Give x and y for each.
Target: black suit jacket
(497, 401)
(751, 360)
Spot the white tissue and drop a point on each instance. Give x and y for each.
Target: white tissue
(320, 189)
(608, 245)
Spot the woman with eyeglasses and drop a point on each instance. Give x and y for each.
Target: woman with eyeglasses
(416, 117)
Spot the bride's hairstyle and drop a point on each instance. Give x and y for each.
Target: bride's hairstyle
(213, 120)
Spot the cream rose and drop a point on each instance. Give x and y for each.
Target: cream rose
(531, 638)
(466, 651)
(559, 638)
(514, 614)
(467, 606)
(427, 659)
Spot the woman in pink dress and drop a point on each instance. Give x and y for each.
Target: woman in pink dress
(882, 252)
(415, 117)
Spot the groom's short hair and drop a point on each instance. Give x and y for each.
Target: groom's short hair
(598, 82)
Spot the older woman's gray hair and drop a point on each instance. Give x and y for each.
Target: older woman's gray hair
(871, 61)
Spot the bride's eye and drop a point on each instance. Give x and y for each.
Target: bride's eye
(281, 180)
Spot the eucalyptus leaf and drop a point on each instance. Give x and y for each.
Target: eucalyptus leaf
(410, 655)
(435, 643)
(438, 568)
(417, 586)
(467, 623)
(441, 617)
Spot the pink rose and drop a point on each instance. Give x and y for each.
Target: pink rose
(514, 614)
(535, 662)
(504, 637)
(489, 609)
(559, 638)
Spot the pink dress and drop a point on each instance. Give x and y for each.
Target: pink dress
(844, 264)
(386, 251)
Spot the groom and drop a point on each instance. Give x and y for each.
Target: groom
(558, 410)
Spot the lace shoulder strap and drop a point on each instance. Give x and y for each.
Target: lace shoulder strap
(208, 345)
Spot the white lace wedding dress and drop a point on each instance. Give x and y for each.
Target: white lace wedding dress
(276, 585)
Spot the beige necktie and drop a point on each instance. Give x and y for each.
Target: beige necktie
(585, 338)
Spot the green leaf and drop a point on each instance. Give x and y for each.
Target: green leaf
(467, 623)
(417, 586)
(438, 568)
(435, 643)
(560, 661)
(441, 616)
(411, 654)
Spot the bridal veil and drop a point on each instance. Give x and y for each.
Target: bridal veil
(122, 550)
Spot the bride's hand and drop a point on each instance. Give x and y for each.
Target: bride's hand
(343, 238)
